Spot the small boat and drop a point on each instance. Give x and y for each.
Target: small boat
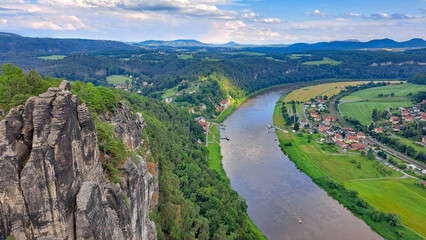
(269, 126)
(300, 221)
(228, 138)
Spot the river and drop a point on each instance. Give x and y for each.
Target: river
(277, 193)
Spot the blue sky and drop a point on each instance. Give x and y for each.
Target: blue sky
(217, 21)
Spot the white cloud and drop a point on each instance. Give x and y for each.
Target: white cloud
(249, 15)
(354, 15)
(318, 13)
(270, 20)
(3, 21)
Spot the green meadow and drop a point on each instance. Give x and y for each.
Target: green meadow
(53, 57)
(117, 79)
(398, 90)
(362, 110)
(323, 61)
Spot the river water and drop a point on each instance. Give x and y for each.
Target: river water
(277, 193)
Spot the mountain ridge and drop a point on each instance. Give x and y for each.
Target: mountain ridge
(13, 43)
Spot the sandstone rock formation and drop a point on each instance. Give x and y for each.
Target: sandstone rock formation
(52, 184)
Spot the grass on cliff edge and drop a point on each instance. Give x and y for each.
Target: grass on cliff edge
(336, 190)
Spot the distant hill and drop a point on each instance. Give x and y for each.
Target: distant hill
(174, 43)
(345, 45)
(13, 43)
(185, 43)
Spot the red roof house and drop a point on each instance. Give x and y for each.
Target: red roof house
(357, 146)
(378, 130)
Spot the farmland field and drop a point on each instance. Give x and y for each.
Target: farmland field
(244, 53)
(329, 89)
(274, 59)
(323, 61)
(52, 57)
(398, 90)
(184, 56)
(298, 56)
(117, 79)
(399, 196)
(362, 110)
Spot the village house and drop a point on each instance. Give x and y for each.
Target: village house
(317, 118)
(204, 124)
(225, 103)
(313, 113)
(337, 137)
(203, 107)
(341, 144)
(191, 110)
(330, 119)
(394, 119)
(168, 100)
(178, 93)
(200, 119)
(357, 146)
(378, 130)
(397, 128)
(322, 129)
(351, 139)
(404, 113)
(409, 119)
(351, 131)
(360, 135)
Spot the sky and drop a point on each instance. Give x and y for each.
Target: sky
(217, 21)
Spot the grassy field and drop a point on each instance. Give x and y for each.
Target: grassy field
(53, 57)
(362, 110)
(244, 53)
(323, 61)
(274, 59)
(170, 92)
(117, 79)
(399, 196)
(343, 169)
(329, 89)
(184, 56)
(298, 56)
(398, 90)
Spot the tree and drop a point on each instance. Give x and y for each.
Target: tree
(376, 215)
(296, 126)
(393, 219)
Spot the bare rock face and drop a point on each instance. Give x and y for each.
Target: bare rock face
(52, 184)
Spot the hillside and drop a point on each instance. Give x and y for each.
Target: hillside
(12, 43)
(106, 151)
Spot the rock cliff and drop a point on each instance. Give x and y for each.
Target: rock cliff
(52, 184)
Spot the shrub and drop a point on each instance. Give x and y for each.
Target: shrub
(332, 184)
(353, 193)
(376, 215)
(393, 219)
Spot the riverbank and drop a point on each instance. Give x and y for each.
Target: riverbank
(215, 163)
(237, 102)
(331, 171)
